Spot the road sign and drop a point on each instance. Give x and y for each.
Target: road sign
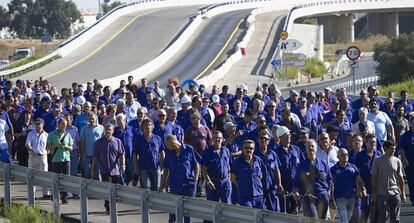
(290, 44)
(297, 63)
(284, 35)
(353, 53)
(276, 63)
(353, 63)
(293, 56)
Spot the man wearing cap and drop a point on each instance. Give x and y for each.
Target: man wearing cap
(215, 166)
(303, 138)
(36, 145)
(272, 181)
(289, 157)
(247, 174)
(59, 144)
(313, 181)
(52, 118)
(183, 115)
(43, 107)
(327, 93)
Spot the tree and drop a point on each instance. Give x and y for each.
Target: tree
(4, 19)
(106, 7)
(395, 59)
(34, 19)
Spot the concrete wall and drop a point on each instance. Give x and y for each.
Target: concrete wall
(383, 23)
(337, 28)
(311, 36)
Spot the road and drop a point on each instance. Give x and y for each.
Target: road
(205, 50)
(128, 43)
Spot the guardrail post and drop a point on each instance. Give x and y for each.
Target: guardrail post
(30, 187)
(112, 204)
(179, 212)
(258, 214)
(55, 189)
(84, 201)
(145, 207)
(217, 213)
(7, 186)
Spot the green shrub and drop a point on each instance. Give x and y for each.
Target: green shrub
(398, 87)
(18, 213)
(287, 73)
(314, 67)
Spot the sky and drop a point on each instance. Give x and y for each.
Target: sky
(79, 3)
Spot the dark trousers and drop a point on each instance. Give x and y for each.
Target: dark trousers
(271, 200)
(316, 207)
(112, 179)
(222, 191)
(62, 168)
(234, 194)
(409, 173)
(368, 209)
(188, 190)
(291, 204)
(389, 206)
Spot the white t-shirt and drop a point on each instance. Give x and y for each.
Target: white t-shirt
(331, 158)
(37, 141)
(3, 129)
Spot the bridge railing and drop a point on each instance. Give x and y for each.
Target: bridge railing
(360, 84)
(145, 199)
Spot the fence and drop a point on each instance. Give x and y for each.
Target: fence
(360, 84)
(145, 199)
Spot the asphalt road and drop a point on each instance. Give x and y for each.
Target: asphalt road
(148, 34)
(204, 48)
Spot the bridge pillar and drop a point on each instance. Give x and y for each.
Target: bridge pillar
(383, 23)
(337, 28)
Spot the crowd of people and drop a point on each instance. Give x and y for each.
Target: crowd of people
(320, 153)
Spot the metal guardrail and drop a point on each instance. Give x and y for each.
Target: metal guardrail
(28, 65)
(145, 199)
(360, 84)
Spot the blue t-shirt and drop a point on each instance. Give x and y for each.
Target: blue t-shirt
(344, 179)
(407, 144)
(181, 167)
(289, 161)
(364, 164)
(90, 134)
(272, 163)
(126, 138)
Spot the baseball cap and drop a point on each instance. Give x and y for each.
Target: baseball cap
(80, 100)
(303, 99)
(328, 89)
(215, 99)
(229, 125)
(304, 130)
(39, 121)
(281, 131)
(185, 99)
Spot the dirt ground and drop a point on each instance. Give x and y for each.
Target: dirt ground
(366, 45)
(8, 46)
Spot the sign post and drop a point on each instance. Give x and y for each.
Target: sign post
(353, 53)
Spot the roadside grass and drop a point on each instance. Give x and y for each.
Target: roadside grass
(8, 46)
(398, 87)
(366, 45)
(19, 213)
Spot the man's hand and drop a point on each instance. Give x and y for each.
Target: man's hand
(161, 188)
(280, 188)
(211, 186)
(122, 167)
(403, 198)
(296, 196)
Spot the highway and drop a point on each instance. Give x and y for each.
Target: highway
(206, 49)
(128, 43)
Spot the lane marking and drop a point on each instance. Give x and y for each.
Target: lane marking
(98, 48)
(221, 50)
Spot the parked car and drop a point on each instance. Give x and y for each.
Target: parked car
(4, 62)
(21, 53)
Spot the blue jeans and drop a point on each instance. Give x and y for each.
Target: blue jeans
(5, 157)
(345, 208)
(153, 176)
(356, 214)
(316, 207)
(126, 176)
(271, 200)
(188, 190)
(87, 168)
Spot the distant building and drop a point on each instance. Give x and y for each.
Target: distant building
(89, 18)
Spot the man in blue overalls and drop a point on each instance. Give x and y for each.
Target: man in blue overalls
(247, 174)
(407, 157)
(181, 170)
(313, 181)
(216, 170)
(272, 175)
